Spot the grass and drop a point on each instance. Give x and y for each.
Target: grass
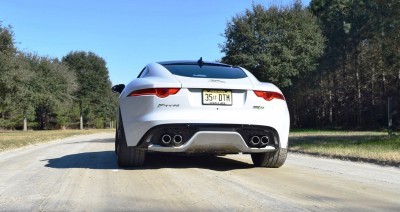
(374, 147)
(16, 139)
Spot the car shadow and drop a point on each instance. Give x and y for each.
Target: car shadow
(107, 160)
(85, 160)
(216, 163)
(108, 140)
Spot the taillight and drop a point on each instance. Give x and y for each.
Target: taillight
(160, 92)
(269, 95)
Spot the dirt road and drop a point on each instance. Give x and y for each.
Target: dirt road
(80, 173)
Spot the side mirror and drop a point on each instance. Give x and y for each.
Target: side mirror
(118, 88)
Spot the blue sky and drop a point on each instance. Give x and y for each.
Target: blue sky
(128, 34)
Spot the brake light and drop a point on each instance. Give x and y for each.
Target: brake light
(160, 92)
(269, 95)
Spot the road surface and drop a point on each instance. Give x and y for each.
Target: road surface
(80, 173)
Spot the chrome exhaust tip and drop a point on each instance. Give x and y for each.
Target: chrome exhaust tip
(177, 139)
(264, 140)
(255, 140)
(166, 139)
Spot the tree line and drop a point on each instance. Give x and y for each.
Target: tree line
(39, 92)
(337, 61)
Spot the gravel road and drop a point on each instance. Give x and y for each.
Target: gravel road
(80, 173)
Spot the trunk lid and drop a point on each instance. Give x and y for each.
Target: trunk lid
(212, 83)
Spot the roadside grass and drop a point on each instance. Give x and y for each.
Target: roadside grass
(375, 147)
(16, 139)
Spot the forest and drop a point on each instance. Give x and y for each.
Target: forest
(337, 63)
(48, 93)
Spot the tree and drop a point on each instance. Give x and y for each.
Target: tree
(7, 52)
(359, 68)
(94, 99)
(49, 93)
(13, 78)
(276, 44)
(32, 87)
(52, 87)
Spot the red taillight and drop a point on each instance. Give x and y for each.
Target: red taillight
(160, 92)
(269, 95)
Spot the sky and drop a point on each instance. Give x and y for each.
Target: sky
(127, 34)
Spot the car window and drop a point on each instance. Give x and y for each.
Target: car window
(206, 71)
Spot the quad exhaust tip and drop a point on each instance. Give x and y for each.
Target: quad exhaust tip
(255, 140)
(177, 139)
(264, 140)
(166, 139)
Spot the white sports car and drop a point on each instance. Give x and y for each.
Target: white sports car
(200, 107)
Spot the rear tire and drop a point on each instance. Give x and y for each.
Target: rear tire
(270, 159)
(116, 140)
(127, 156)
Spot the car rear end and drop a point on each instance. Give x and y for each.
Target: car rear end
(215, 108)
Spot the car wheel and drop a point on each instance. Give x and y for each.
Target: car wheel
(270, 159)
(127, 156)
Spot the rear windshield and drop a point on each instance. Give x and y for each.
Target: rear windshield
(206, 71)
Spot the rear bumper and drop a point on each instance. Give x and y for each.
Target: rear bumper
(211, 138)
(213, 142)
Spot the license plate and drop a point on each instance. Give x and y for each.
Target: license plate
(217, 97)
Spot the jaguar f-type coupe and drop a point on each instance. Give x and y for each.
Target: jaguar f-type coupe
(194, 107)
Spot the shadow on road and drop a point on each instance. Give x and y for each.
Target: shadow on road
(107, 160)
(85, 160)
(109, 140)
(162, 160)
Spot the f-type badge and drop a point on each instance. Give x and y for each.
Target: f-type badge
(168, 105)
(216, 81)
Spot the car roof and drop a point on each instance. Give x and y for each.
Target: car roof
(190, 62)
